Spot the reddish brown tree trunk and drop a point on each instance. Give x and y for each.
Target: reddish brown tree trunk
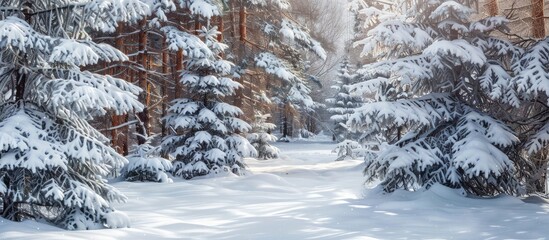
(233, 20)
(143, 128)
(243, 15)
(197, 25)
(493, 7)
(538, 20)
(21, 78)
(165, 92)
(242, 23)
(221, 28)
(120, 136)
(178, 70)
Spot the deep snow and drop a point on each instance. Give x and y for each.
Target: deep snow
(303, 195)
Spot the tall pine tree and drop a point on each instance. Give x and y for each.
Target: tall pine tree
(51, 159)
(205, 136)
(343, 104)
(439, 74)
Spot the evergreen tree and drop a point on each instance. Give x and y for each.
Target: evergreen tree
(438, 76)
(266, 38)
(145, 165)
(347, 149)
(343, 104)
(530, 81)
(51, 159)
(261, 137)
(205, 135)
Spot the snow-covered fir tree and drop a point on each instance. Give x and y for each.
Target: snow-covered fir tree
(347, 149)
(343, 104)
(269, 40)
(144, 164)
(51, 159)
(530, 80)
(206, 131)
(262, 137)
(438, 75)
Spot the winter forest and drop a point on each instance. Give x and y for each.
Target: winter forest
(274, 119)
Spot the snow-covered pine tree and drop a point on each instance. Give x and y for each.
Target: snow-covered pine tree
(530, 79)
(288, 42)
(144, 164)
(343, 104)
(347, 149)
(206, 131)
(268, 40)
(51, 159)
(438, 77)
(261, 137)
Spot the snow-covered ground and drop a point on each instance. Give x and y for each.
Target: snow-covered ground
(303, 195)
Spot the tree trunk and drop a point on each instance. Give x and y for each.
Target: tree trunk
(538, 20)
(143, 128)
(239, 94)
(233, 20)
(165, 92)
(21, 78)
(178, 70)
(493, 7)
(538, 31)
(242, 23)
(120, 136)
(197, 25)
(6, 200)
(287, 118)
(221, 28)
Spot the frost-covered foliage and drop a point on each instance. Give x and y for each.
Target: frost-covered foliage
(276, 44)
(198, 8)
(51, 159)
(287, 67)
(343, 104)
(145, 165)
(295, 88)
(530, 81)
(347, 149)
(437, 76)
(531, 78)
(282, 4)
(205, 136)
(261, 137)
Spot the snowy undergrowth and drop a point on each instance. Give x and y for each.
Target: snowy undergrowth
(303, 195)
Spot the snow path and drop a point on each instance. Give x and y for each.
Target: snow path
(303, 195)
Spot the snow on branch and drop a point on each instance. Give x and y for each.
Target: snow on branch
(25, 143)
(489, 24)
(539, 141)
(82, 53)
(532, 71)
(87, 95)
(457, 49)
(425, 111)
(293, 32)
(476, 144)
(275, 66)
(104, 15)
(453, 10)
(282, 4)
(204, 8)
(191, 45)
(394, 35)
(16, 33)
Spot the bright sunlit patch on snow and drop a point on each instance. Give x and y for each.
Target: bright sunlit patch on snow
(360, 206)
(386, 213)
